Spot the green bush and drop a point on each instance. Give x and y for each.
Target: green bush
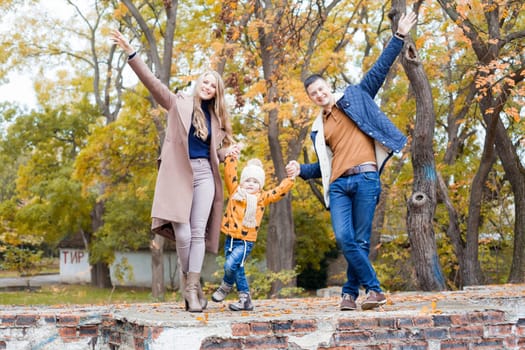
(25, 261)
(260, 279)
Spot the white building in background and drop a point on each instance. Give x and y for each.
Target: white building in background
(134, 267)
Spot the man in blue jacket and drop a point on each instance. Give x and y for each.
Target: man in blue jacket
(353, 139)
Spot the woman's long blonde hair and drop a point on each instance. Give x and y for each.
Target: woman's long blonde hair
(218, 103)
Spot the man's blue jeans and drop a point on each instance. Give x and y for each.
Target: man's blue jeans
(353, 200)
(236, 251)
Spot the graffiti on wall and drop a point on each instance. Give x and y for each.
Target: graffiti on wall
(72, 256)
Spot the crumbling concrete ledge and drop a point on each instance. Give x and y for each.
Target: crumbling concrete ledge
(481, 317)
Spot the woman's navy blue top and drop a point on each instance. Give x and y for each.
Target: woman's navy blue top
(197, 147)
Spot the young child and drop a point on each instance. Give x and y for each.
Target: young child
(240, 224)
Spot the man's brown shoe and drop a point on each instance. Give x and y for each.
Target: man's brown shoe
(347, 303)
(373, 300)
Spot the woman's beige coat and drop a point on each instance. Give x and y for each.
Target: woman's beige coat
(174, 188)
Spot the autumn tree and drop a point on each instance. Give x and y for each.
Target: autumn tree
(495, 33)
(46, 203)
(80, 42)
(281, 43)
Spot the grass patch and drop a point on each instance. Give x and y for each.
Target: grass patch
(57, 295)
(8, 274)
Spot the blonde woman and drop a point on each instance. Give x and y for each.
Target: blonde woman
(188, 200)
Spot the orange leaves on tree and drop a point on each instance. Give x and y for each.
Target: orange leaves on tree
(514, 113)
(120, 11)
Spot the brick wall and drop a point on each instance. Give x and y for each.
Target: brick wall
(100, 329)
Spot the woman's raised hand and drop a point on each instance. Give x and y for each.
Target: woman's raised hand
(122, 42)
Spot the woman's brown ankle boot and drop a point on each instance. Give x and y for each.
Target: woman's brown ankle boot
(191, 295)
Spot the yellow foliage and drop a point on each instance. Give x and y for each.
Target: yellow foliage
(256, 89)
(120, 11)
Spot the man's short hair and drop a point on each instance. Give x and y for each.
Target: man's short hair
(311, 79)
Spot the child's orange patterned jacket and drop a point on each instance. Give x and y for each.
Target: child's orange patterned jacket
(232, 219)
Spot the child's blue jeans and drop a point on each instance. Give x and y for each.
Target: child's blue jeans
(236, 251)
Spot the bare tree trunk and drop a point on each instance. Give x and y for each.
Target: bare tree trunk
(100, 274)
(471, 273)
(453, 230)
(456, 140)
(281, 232)
(157, 267)
(516, 175)
(517, 269)
(422, 203)
(281, 241)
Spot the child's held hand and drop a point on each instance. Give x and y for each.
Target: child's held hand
(293, 169)
(234, 151)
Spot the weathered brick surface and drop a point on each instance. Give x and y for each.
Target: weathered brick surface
(326, 329)
(483, 331)
(499, 330)
(241, 329)
(8, 321)
(372, 347)
(26, 320)
(352, 337)
(466, 332)
(521, 344)
(68, 320)
(436, 333)
(88, 331)
(452, 344)
(52, 319)
(304, 326)
(260, 328)
(382, 335)
(265, 343)
(138, 343)
(442, 320)
(387, 322)
(222, 344)
(487, 344)
(520, 325)
(357, 323)
(281, 326)
(67, 333)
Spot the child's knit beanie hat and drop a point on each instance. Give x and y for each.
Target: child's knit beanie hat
(253, 169)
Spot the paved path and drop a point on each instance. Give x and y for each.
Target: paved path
(32, 281)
